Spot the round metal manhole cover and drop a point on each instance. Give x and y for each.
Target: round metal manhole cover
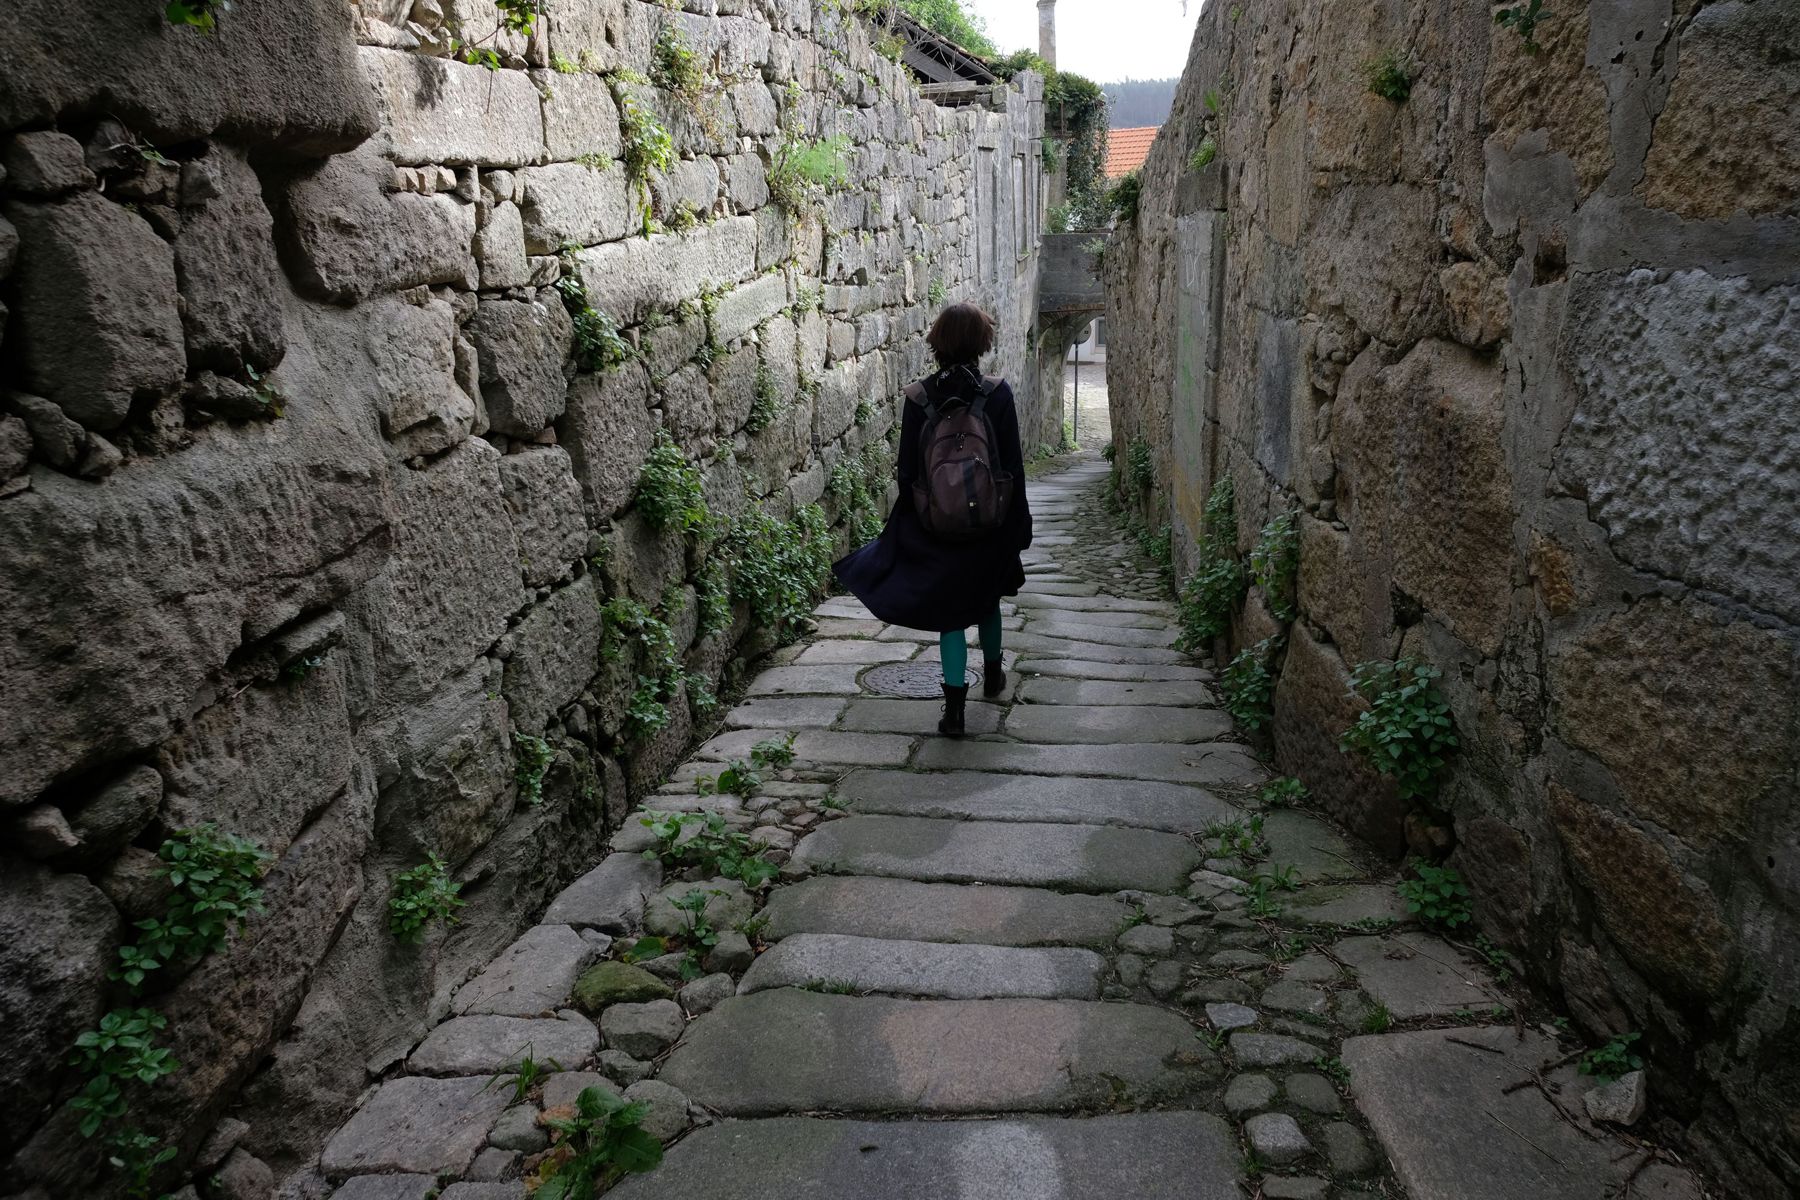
(914, 680)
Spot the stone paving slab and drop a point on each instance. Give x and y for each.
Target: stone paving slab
(795, 1051)
(1078, 857)
(1040, 598)
(1079, 668)
(415, 1126)
(1116, 620)
(864, 653)
(815, 745)
(803, 681)
(1215, 763)
(1032, 590)
(1318, 851)
(1040, 644)
(1070, 725)
(1089, 692)
(533, 975)
(1453, 1132)
(940, 970)
(978, 795)
(787, 713)
(944, 912)
(916, 716)
(1139, 1156)
(1106, 634)
(610, 897)
(387, 1187)
(1348, 903)
(489, 1045)
(1417, 975)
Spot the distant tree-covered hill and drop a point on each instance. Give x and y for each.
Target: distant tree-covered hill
(1138, 102)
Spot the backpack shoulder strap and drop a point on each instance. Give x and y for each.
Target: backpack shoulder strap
(919, 395)
(990, 384)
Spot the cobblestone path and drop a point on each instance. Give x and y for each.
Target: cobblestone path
(1075, 941)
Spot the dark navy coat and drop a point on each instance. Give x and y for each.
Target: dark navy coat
(908, 578)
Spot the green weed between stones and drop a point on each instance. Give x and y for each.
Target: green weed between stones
(1333, 1068)
(1407, 732)
(121, 1051)
(1275, 565)
(1612, 1060)
(1390, 76)
(806, 171)
(1142, 468)
(1247, 685)
(524, 1075)
(601, 1142)
(1282, 793)
(778, 567)
(1377, 1019)
(1123, 197)
(532, 757)
(1204, 604)
(1438, 896)
(648, 148)
(936, 293)
(196, 14)
(700, 935)
(420, 896)
(1202, 157)
(712, 846)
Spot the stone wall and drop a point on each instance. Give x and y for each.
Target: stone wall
(307, 513)
(1521, 351)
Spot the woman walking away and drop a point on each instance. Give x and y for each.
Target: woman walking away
(951, 546)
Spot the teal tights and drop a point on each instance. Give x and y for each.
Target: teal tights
(954, 648)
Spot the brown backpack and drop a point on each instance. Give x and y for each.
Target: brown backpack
(961, 494)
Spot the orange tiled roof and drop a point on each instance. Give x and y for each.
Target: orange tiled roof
(1126, 149)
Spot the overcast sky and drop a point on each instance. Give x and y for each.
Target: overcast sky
(1098, 38)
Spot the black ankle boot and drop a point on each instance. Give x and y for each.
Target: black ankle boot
(955, 698)
(993, 678)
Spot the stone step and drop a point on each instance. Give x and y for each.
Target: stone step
(1214, 763)
(1107, 617)
(939, 970)
(813, 746)
(1088, 858)
(978, 795)
(1041, 644)
(1091, 601)
(1087, 669)
(1059, 625)
(1173, 693)
(796, 1051)
(1068, 725)
(942, 912)
(1135, 1156)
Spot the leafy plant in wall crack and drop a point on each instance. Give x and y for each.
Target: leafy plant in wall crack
(670, 491)
(598, 1144)
(805, 171)
(214, 877)
(648, 148)
(1248, 685)
(779, 568)
(627, 624)
(196, 14)
(1390, 76)
(599, 346)
(1203, 156)
(1207, 598)
(532, 757)
(121, 1051)
(420, 896)
(1143, 468)
(767, 404)
(1438, 896)
(516, 16)
(1523, 20)
(1275, 565)
(1123, 197)
(1408, 732)
(1282, 793)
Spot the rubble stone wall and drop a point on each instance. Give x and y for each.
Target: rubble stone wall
(1521, 352)
(308, 511)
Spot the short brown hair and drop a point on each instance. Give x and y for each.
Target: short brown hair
(961, 334)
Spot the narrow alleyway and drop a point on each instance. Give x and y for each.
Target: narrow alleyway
(1084, 932)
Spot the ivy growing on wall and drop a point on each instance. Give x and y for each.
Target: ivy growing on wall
(1075, 106)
